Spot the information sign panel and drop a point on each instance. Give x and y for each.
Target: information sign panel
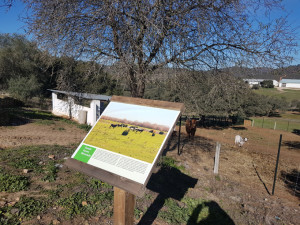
(129, 136)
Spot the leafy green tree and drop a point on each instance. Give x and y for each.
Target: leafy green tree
(21, 58)
(24, 88)
(267, 84)
(255, 86)
(211, 95)
(82, 76)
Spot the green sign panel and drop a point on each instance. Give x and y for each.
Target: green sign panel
(85, 153)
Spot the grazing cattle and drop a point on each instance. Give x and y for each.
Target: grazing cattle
(113, 125)
(239, 140)
(139, 129)
(132, 128)
(191, 126)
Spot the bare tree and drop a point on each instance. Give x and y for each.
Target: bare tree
(141, 36)
(6, 3)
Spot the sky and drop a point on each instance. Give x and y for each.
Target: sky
(10, 21)
(141, 113)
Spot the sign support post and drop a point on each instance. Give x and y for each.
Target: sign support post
(124, 203)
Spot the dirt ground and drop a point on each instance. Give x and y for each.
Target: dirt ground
(38, 134)
(246, 173)
(243, 185)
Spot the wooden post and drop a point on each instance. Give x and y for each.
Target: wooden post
(275, 125)
(217, 157)
(179, 133)
(124, 203)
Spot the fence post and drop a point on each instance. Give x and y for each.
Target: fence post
(179, 133)
(217, 157)
(279, 145)
(253, 123)
(275, 125)
(288, 126)
(262, 125)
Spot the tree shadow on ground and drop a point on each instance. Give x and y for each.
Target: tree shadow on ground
(216, 215)
(239, 128)
(185, 143)
(21, 116)
(169, 182)
(292, 145)
(292, 181)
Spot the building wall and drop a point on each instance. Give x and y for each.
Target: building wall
(70, 109)
(292, 85)
(289, 85)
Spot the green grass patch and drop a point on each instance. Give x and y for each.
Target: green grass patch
(45, 122)
(98, 184)
(281, 124)
(291, 116)
(12, 183)
(25, 163)
(29, 207)
(176, 213)
(34, 152)
(287, 94)
(82, 204)
(85, 127)
(169, 162)
(26, 208)
(51, 172)
(193, 211)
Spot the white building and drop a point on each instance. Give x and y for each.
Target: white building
(66, 104)
(289, 83)
(252, 82)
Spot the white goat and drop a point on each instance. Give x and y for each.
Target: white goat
(239, 140)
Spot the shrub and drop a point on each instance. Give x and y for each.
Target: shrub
(24, 88)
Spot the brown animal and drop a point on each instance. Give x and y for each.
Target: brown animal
(191, 126)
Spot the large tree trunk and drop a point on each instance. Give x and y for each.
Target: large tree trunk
(137, 84)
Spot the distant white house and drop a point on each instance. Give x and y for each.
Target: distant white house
(252, 82)
(289, 83)
(66, 104)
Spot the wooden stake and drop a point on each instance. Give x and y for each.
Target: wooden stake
(217, 157)
(124, 203)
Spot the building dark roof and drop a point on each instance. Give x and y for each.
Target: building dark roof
(84, 95)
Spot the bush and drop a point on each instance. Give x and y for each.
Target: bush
(255, 86)
(267, 84)
(24, 88)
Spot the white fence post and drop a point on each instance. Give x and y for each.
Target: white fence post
(217, 157)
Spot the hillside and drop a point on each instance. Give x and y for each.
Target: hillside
(291, 72)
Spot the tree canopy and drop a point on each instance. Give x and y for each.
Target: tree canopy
(141, 36)
(26, 71)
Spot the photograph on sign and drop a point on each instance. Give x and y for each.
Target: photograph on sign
(127, 139)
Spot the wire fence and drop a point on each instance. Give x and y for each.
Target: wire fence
(288, 171)
(291, 180)
(277, 124)
(258, 158)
